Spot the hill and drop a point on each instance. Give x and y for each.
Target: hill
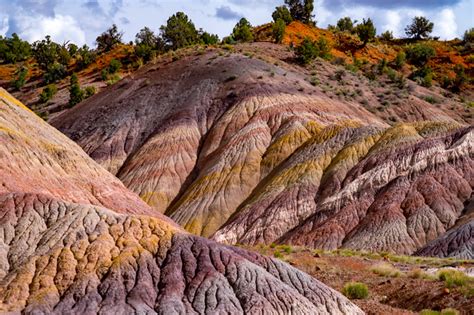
(244, 145)
(74, 240)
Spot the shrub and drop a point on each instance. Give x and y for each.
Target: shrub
(114, 66)
(429, 312)
(453, 278)
(90, 90)
(386, 270)
(48, 93)
(278, 30)
(420, 54)
(20, 79)
(308, 50)
(277, 254)
(242, 31)
(209, 39)
(282, 13)
(113, 79)
(420, 27)
(366, 31)
(449, 311)
(286, 248)
(400, 60)
(355, 290)
(76, 95)
(423, 76)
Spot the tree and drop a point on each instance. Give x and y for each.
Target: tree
(76, 94)
(282, 13)
(146, 37)
(14, 49)
(301, 10)
(52, 58)
(85, 56)
(48, 93)
(366, 31)
(179, 31)
(469, 36)
(207, 38)
(387, 36)
(345, 24)
(279, 30)
(109, 39)
(419, 28)
(242, 31)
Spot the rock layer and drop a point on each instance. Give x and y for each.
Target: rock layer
(62, 251)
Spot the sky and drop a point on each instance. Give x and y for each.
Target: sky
(80, 21)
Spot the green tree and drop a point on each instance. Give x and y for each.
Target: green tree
(114, 66)
(387, 36)
(469, 36)
(420, 54)
(179, 31)
(282, 13)
(85, 57)
(207, 38)
(76, 94)
(242, 31)
(419, 28)
(366, 31)
(301, 10)
(109, 39)
(14, 49)
(279, 30)
(147, 43)
(345, 24)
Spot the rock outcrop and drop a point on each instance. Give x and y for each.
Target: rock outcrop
(74, 240)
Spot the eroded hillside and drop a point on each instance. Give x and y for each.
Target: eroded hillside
(246, 146)
(73, 239)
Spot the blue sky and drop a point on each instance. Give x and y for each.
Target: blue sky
(82, 20)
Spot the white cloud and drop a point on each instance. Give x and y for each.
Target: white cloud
(392, 19)
(445, 24)
(61, 28)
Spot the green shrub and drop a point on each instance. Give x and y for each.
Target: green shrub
(76, 95)
(387, 36)
(345, 24)
(277, 254)
(286, 248)
(48, 93)
(89, 90)
(386, 270)
(449, 311)
(20, 78)
(453, 278)
(420, 54)
(423, 76)
(366, 31)
(308, 50)
(400, 60)
(114, 66)
(113, 79)
(278, 30)
(429, 312)
(355, 290)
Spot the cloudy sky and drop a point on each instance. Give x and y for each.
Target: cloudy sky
(80, 21)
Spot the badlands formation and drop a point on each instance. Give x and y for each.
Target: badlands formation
(246, 150)
(73, 239)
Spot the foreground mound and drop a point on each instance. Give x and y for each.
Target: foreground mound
(247, 151)
(62, 251)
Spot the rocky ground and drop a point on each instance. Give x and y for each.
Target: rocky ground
(397, 284)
